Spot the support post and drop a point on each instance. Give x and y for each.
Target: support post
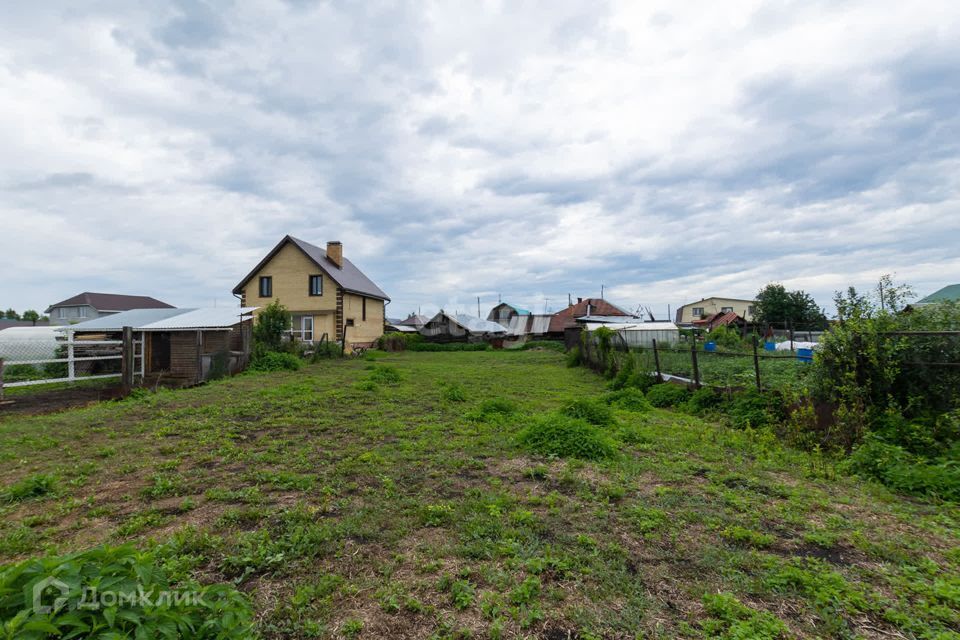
(1, 378)
(71, 365)
(343, 339)
(756, 363)
(199, 357)
(656, 361)
(696, 365)
(126, 361)
(790, 328)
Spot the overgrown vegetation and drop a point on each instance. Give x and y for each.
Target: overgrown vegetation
(336, 511)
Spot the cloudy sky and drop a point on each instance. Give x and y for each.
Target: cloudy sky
(523, 150)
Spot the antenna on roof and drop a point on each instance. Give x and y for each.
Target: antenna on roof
(478, 306)
(601, 291)
(569, 300)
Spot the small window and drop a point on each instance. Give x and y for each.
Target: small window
(364, 309)
(316, 285)
(698, 311)
(266, 286)
(62, 312)
(83, 312)
(349, 322)
(726, 309)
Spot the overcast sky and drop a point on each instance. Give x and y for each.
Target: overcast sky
(668, 151)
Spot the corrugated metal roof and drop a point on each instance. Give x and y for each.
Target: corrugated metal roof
(611, 319)
(636, 326)
(529, 325)
(474, 324)
(167, 319)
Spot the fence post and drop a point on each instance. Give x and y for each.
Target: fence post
(696, 366)
(790, 328)
(656, 361)
(71, 365)
(1, 378)
(126, 361)
(756, 363)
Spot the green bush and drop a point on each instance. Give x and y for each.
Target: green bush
(492, 409)
(384, 374)
(593, 411)
(275, 361)
(453, 392)
(448, 346)
(397, 341)
(730, 619)
(31, 487)
(903, 471)
(756, 410)
(272, 322)
(566, 437)
(574, 357)
(219, 365)
(629, 399)
(130, 602)
(703, 400)
(550, 345)
(326, 351)
(667, 395)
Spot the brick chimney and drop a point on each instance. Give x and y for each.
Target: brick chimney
(335, 253)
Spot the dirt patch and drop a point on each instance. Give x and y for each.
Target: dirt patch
(55, 400)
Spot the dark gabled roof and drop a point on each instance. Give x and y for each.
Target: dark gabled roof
(349, 277)
(949, 293)
(597, 307)
(111, 302)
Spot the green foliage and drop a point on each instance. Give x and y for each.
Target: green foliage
(727, 338)
(219, 365)
(629, 399)
(30, 316)
(135, 600)
(756, 410)
(272, 323)
(907, 472)
(326, 351)
(574, 357)
(747, 537)
(775, 305)
(275, 361)
(448, 346)
(730, 619)
(397, 341)
(549, 345)
(29, 488)
(493, 409)
(566, 437)
(593, 411)
(10, 314)
(703, 400)
(384, 374)
(667, 395)
(453, 391)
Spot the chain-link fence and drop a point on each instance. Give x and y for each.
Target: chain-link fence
(35, 361)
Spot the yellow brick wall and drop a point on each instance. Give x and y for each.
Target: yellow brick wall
(363, 331)
(714, 305)
(290, 270)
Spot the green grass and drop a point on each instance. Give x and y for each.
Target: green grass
(401, 499)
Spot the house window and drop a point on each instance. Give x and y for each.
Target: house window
(726, 309)
(306, 328)
(266, 286)
(61, 312)
(364, 309)
(316, 285)
(349, 322)
(83, 312)
(697, 312)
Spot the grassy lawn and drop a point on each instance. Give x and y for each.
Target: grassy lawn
(387, 498)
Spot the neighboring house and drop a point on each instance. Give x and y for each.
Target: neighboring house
(326, 293)
(180, 346)
(950, 293)
(504, 312)
(87, 306)
(567, 318)
(9, 324)
(689, 313)
(460, 326)
(723, 319)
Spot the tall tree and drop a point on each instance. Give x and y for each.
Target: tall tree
(31, 316)
(779, 307)
(11, 315)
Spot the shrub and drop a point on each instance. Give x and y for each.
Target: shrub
(31, 487)
(493, 408)
(384, 374)
(219, 365)
(210, 611)
(566, 437)
(448, 346)
(667, 395)
(396, 341)
(703, 400)
(275, 361)
(756, 410)
(592, 411)
(453, 392)
(272, 322)
(629, 399)
(903, 471)
(550, 345)
(326, 351)
(574, 357)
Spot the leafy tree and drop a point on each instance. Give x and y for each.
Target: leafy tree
(11, 315)
(777, 306)
(272, 322)
(893, 297)
(31, 316)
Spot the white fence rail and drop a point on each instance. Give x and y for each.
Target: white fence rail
(32, 362)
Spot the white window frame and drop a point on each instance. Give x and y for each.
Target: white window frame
(304, 331)
(62, 313)
(81, 312)
(697, 311)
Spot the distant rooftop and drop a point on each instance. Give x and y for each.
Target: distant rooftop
(111, 302)
(950, 293)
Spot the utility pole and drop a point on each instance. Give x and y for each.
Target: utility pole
(601, 291)
(478, 306)
(569, 300)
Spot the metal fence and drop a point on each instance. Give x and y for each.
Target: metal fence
(65, 359)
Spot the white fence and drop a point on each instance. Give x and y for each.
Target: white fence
(59, 359)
